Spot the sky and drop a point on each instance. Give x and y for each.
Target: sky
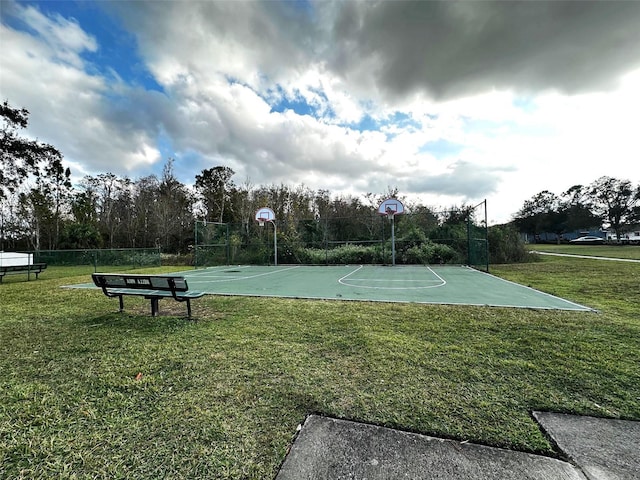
(452, 103)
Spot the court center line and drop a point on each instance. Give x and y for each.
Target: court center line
(250, 276)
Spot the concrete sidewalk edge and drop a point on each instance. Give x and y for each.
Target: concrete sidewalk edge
(328, 448)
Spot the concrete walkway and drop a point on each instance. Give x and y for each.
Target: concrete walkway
(586, 256)
(328, 448)
(603, 448)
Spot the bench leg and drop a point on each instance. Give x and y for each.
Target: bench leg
(189, 307)
(121, 303)
(154, 307)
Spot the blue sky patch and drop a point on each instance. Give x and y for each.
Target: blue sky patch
(281, 102)
(441, 148)
(526, 104)
(403, 120)
(117, 48)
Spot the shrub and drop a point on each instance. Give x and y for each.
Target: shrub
(430, 253)
(506, 245)
(342, 255)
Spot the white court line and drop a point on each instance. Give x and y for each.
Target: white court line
(587, 256)
(424, 287)
(206, 272)
(227, 279)
(581, 307)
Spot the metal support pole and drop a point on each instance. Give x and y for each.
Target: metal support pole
(228, 247)
(275, 243)
(486, 236)
(195, 248)
(393, 240)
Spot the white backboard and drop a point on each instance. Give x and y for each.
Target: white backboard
(391, 206)
(265, 214)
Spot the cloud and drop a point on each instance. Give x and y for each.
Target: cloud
(65, 38)
(247, 41)
(448, 101)
(461, 179)
(98, 123)
(449, 49)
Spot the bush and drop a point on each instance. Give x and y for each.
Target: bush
(342, 255)
(176, 259)
(506, 245)
(430, 253)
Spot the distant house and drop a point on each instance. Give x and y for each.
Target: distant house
(548, 237)
(632, 237)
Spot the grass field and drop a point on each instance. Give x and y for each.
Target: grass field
(86, 392)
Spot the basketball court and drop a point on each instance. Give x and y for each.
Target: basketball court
(453, 285)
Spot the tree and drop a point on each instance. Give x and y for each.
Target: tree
(80, 235)
(214, 186)
(144, 211)
(43, 206)
(106, 189)
(244, 207)
(541, 214)
(173, 212)
(19, 157)
(578, 209)
(615, 201)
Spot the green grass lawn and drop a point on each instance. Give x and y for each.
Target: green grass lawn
(86, 392)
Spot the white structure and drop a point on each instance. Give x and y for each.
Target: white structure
(628, 237)
(10, 259)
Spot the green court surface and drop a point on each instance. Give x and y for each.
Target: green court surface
(454, 285)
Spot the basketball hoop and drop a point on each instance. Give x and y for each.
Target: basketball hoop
(390, 208)
(264, 215)
(390, 212)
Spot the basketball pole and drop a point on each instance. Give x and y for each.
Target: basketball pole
(262, 221)
(263, 215)
(393, 240)
(275, 243)
(390, 207)
(195, 247)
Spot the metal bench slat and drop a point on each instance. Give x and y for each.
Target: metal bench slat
(152, 287)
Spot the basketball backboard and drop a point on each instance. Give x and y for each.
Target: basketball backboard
(391, 206)
(265, 214)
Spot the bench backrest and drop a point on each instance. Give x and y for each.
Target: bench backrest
(23, 268)
(137, 281)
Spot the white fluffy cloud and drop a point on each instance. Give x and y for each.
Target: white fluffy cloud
(451, 102)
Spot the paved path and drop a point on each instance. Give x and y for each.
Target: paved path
(327, 448)
(605, 449)
(586, 256)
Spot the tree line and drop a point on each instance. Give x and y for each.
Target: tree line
(608, 202)
(40, 209)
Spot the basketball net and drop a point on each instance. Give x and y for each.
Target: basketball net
(390, 213)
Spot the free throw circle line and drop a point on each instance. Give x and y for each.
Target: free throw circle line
(343, 281)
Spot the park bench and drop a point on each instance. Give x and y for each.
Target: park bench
(36, 268)
(151, 287)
